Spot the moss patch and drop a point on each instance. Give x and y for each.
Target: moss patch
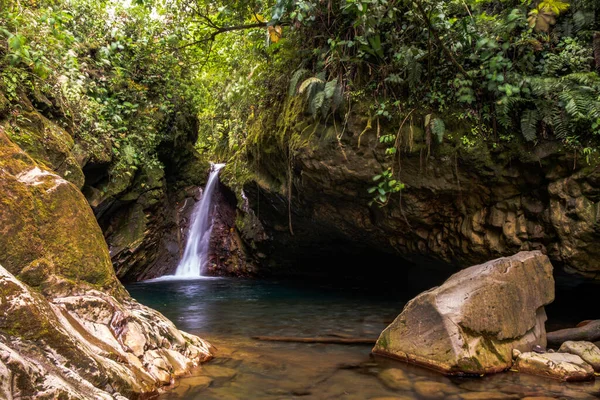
(47, 143)
(50, 220)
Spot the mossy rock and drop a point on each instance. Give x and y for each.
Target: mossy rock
(48, 218)
(47, 143)
(148, 180)
(113, 186)
(129, 232)
(193, 173)
(4, 106)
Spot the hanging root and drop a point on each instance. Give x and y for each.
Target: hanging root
(368, 127)
(290, 194)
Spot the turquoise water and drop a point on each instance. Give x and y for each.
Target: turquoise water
(229, 312)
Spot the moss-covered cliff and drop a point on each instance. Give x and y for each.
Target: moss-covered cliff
(308, 183)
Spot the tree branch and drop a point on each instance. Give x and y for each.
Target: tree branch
(439, 40)
(219, 30)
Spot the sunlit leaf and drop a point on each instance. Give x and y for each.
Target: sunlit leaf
(275, 33)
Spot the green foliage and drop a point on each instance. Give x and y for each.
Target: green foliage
(436, 126)
(529, 123)
(321, 96)
(122, 75)
(386, 185)
(108, 70)
(517, 65)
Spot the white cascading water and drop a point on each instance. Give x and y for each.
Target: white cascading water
(195, 256)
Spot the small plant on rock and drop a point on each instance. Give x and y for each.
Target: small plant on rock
(386, 186)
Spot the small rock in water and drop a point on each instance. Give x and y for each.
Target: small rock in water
(434, 390)
(538, 349)
(588, 351)
(218, 372)
(301, 392)
(474, 385)
(396, 379)
(199, 382)
(562, 366)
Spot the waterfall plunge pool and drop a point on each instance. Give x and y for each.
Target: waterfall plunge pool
(228, 312)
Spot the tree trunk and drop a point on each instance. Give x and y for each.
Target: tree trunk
(588, 333)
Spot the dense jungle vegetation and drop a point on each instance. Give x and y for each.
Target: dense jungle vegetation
(116, 74)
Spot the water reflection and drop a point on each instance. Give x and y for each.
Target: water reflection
(229, 312)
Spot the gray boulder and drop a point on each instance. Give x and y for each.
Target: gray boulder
(471, 323)
(588, 351)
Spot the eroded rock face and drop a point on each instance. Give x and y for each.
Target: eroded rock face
(88, 345)
(461, 205)
(68, 328)
(471, 323)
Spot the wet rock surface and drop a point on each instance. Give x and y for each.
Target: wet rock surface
(561, 366)
(263, 371)
(472, 323)
(589, 352)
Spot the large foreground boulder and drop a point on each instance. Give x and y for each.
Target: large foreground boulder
(471, 323)
(68, 329)
(87, 345)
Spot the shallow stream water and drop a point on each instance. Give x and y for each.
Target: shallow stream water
(229, 312)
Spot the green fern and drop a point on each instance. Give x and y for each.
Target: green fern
(508, 107)
(299, 74)
(529, 124)
(338, 97)
(559, 124)
(438, 128)
(316, 103)
(308, 83)
(415, 70)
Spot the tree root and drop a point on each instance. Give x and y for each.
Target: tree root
(589, 332)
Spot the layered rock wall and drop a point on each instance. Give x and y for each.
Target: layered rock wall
(462, 203)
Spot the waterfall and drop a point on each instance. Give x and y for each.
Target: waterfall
(195, 256)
